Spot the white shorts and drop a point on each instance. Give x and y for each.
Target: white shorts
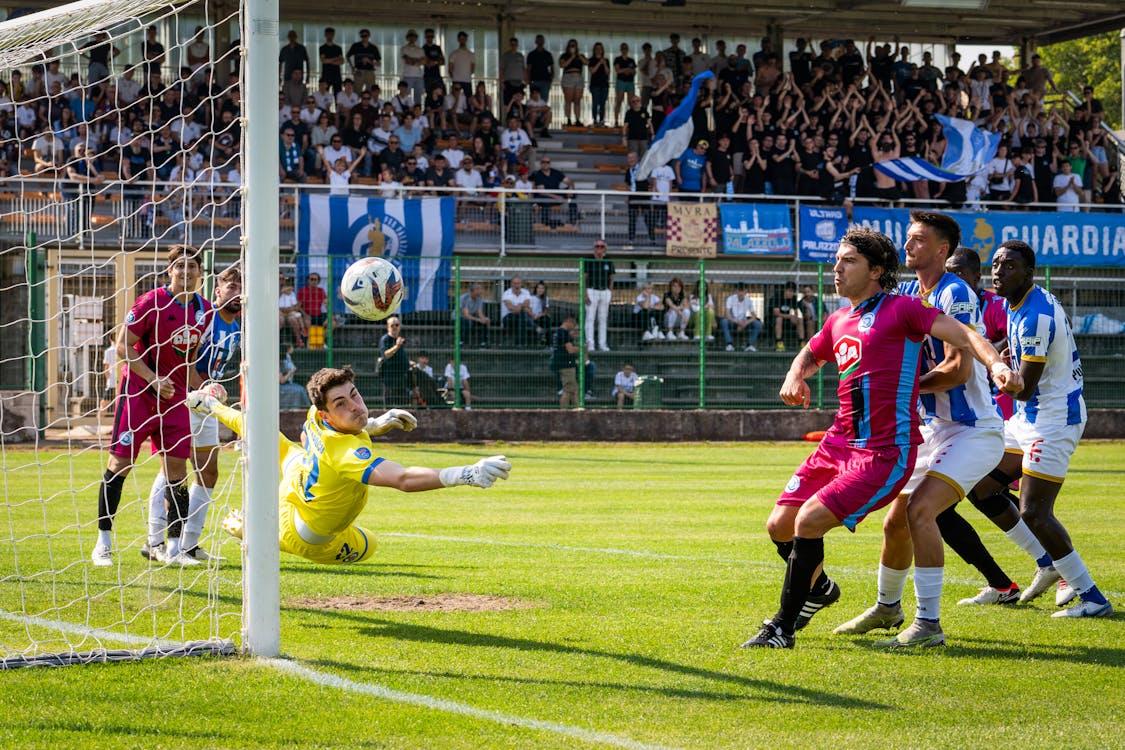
(204, 431)
(1046, 448)
(957, 454)
(1011, 445)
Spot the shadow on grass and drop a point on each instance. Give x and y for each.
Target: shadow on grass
(399, 631)
(666, 691)
(960, 647)
(365, 570)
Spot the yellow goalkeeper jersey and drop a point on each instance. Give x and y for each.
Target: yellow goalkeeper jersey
(327, 480)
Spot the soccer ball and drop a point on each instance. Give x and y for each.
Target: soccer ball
(372, 288)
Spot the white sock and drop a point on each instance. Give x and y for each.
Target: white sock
(1021, 536)
(199, 498)
(1074, 572)
(105, 538)
(891, 584)
(927, 589)
(157, 514)
(173, 546)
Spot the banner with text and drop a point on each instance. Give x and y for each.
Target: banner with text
(692, 230)
(756, 229)
(1059, 239)
(821, 230)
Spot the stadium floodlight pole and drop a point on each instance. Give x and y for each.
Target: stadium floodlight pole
(262, 596)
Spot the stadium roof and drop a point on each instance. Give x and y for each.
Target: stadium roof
(968, 21)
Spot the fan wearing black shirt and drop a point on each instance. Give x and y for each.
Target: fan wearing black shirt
(637, 130)
(1023, 184)
(720, 168)
(365, 59)
(553, 180)
(434, 59)
(331, 61)
(541, 68)
(800, 62)
(625, 68)
(638, 204)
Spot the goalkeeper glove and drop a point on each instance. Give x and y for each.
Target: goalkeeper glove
(395, 419)
(481, 474)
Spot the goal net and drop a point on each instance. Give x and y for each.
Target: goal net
(120, 139)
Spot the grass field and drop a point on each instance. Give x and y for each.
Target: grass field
(644, 567)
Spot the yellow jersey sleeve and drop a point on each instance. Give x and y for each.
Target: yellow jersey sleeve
(352, 457)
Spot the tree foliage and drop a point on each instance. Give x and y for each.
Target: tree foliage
(1095, 60)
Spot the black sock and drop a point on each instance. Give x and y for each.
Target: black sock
(808, 554)
(963, 539)
(176, 502)
(784, 549)
(995, 504)
(109, 497)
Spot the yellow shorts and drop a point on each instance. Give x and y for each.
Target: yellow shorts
(352, 545)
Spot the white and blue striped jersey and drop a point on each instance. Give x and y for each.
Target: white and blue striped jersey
(1039, 331)
(218, 347)
(970, 404)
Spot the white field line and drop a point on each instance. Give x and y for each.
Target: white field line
(454, 707)
(833, 570)
(382, 692)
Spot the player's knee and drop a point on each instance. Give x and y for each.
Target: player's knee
(1037, 519)
(209, 476)
(780, 527)
(918, 514)
(895, 523)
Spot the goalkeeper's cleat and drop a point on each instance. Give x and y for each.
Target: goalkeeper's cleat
(155, 552)
(1044, 579)
(232, 524)
(184, 560)
(879, 617)
(770, 636)
(989, 595)
(1064, 594)
(102, 556)
(201, 402)
(817, 602)
(1087, 609)
(920, 634)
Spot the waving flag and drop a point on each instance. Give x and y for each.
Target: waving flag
(674, 135)
(968, 149)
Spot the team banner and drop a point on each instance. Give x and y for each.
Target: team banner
(415, 234)
(1059, 239)
(692, 230)
(756, 229)
(821, 230)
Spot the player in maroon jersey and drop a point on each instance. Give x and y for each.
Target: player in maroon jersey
(158, 344)
(868, 453)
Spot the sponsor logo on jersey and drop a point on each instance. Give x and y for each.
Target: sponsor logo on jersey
(126, 438)
(185, 339)
(363, 453)
(848, 351)
(866, 322)
(793, 484)
(958, 308)
(1031, 342)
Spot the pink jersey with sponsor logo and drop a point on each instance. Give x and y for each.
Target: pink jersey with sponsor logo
(168, 334)
(877, 346)
(995, 319)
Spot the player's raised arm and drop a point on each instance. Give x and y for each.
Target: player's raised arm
(957, 334)
(419, 478)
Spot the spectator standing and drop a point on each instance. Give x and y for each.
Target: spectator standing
(1000, 173)
(313, 300)
(646, 69)
(434, 59)
(463, 64)
(394, 365)
(646, 313)
(564, 362)
(638, 204)
(1023, 184)
(413, 59)
(599, 292)
(293, 56)
(572, 62)
(153, 53)
(720, 167)
(637, 132)
(1067, 187)
(541, 68)
(513, 71)
(674, 59)
(515, 312)
(599, 83)
(331, 62)
(740, 317)
(624, 385)
(451, 383)
(691, 168)
(365, 59)
(475, 322)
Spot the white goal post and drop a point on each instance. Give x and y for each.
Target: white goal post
(78, 243)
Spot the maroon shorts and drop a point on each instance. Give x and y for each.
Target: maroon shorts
(141, 416)
(850, 482)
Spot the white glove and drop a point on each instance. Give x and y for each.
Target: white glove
(395, 419)
(201, 402)
(481, 474)
(215, 389)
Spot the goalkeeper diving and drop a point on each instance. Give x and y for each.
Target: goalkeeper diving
(324, 479)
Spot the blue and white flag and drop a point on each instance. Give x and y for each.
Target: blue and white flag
(415, 234)
(674, 136)
(968, 149)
